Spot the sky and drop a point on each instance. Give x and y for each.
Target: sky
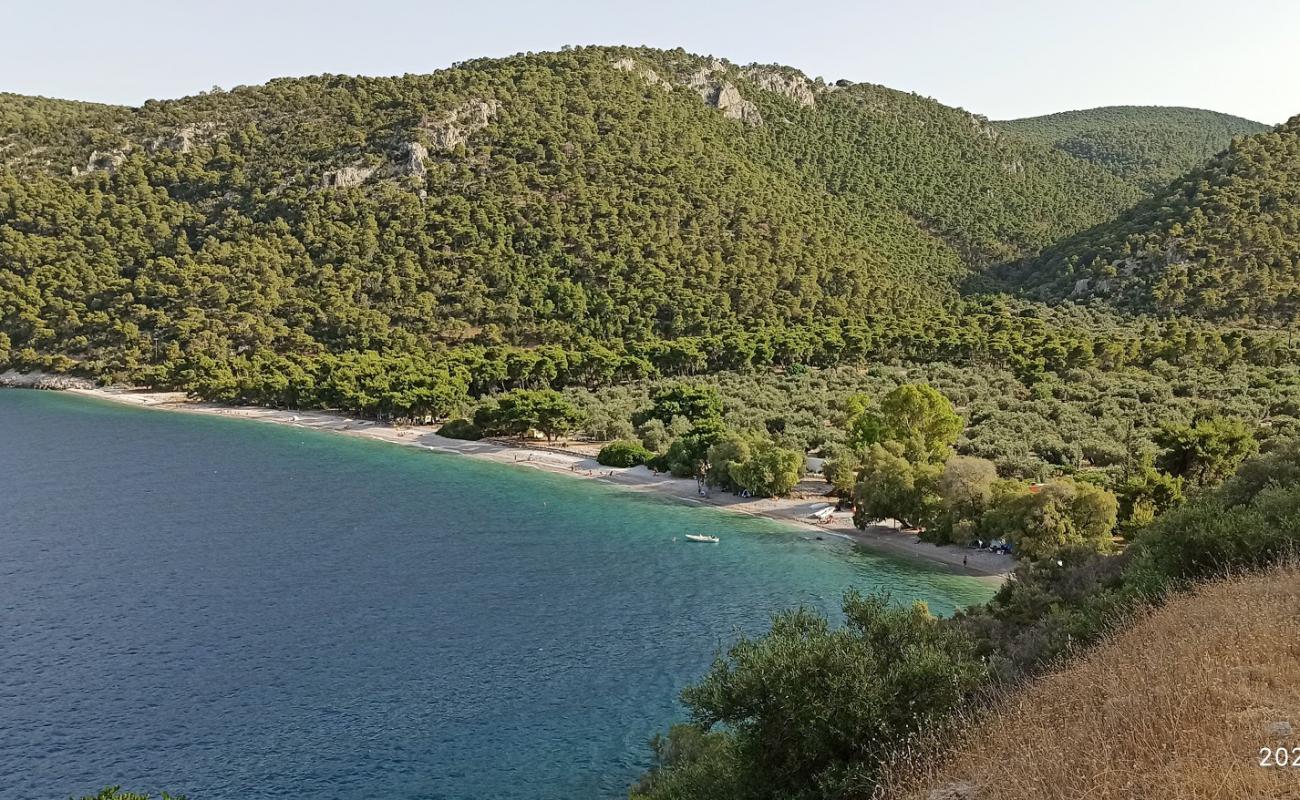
(999, 58)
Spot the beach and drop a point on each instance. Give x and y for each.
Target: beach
(793, 511)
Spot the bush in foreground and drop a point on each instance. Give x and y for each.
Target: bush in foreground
(811, 712)
(811, 705)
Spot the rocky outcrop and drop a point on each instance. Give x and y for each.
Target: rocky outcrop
(982, 126)
(184, 138)
(413, 155)
(648, 75)
(727, 99)
(796, 87)
(723, 95)
(456, 126)
(43, 380)
(107, 160)
(1088, 286)
(346, 177)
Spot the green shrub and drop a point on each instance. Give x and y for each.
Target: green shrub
(461, 429)
(624, 453)
(813, 705)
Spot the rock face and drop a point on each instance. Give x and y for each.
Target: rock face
(346, 177)
(182, 141)
(796, 87)
(724, 96)
(727, 99)
(107, 160)
(43, 380)
(648, 75)
(1087, 286)
(983, 128)
(413, 154)
(456, 126)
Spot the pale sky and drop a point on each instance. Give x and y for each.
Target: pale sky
(1000, 58)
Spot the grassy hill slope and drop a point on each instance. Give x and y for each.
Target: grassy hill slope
(1148, 146)
(1176, 706)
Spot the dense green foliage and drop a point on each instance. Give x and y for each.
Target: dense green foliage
(915, 416)
(1221, 242)
(623, 453)
(1061, 514)
(796, 713)
(1207, 452)
(810, 710)
(460, 428)
(249, 245)
(593, 242)
(769, 471)
(520, 412)
(1148, 146)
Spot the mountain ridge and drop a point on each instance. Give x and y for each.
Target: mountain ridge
(604, 200)
(1146, 145)
(616, 193)
(1222, 242)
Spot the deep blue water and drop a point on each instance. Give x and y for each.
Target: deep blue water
(232, 609)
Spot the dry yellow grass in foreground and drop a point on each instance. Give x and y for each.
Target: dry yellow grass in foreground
(1175, 708)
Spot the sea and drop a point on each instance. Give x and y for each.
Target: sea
(227, 608)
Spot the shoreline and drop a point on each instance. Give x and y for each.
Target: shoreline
(791, 512)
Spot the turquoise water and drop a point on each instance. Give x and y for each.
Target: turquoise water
(232, 609)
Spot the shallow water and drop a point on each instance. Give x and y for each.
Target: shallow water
(233, 609)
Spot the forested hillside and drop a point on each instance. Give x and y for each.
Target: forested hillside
(599, 195)
(1222, 242)
(1148, 146)
(715, 270)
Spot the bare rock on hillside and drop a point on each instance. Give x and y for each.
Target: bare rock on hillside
(982, 126)
(43, 380)
(183, 139)
(1280, 730)
(648, 75)
(346, 177)
(107, 160)
(412, 163)
(727, 99)
(724, 96)
(796, 87)
(456, 126)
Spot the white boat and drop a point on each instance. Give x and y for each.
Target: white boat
(701, 537)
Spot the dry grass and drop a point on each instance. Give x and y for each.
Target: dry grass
(1175, 707)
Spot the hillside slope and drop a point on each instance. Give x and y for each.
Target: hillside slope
(1222, 242)
(605, 194)
(1177, 706)
(1148, 146)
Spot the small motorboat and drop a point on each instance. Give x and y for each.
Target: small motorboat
(701, 537)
